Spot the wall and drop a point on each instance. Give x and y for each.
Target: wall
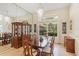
(74, 15)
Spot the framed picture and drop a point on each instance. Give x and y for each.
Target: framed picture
(64, 27)
(30, 28)
(34, 27)
(70, 24)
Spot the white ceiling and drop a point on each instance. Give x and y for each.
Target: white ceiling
(12, 10)
(32, 7)
(21, 9)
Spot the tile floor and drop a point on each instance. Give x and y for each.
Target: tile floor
(6, 50)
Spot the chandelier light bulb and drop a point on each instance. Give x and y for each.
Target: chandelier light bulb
(56, 17)
(40, 12)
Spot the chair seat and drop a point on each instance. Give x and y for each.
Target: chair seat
(45, 54)
(46, 49)
(30, 52)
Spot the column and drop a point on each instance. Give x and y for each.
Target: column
(37, 28)
(47, 27)
(32, 25)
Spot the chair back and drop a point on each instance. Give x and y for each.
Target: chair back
(26, 45)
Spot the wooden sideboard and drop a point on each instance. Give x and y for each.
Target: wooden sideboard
(69, 43)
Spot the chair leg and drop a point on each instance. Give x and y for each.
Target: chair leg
(2, 43)
(24, 51)
(52, 52)
(31, 52)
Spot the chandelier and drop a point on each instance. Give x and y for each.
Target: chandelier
(40, 12)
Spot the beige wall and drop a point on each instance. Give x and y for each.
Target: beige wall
(74, 15)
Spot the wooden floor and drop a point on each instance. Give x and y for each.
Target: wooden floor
(59, 50)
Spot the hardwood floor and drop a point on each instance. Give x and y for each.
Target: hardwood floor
(59, 50)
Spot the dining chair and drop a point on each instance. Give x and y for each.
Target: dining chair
(1, 41)
(9, 36)
(6, 38)
(50, 49)
(26, 51)
(29, 50)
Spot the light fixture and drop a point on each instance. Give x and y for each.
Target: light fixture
(40, 12)
(56, 17)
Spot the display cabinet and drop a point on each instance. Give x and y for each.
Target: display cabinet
(18, 30)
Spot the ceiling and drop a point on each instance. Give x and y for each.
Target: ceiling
(32, 7)
(21, 9)
(12, 10)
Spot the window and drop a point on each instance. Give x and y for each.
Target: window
(1, 28)
(34, 27)
(1, 17)
(52, 29)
